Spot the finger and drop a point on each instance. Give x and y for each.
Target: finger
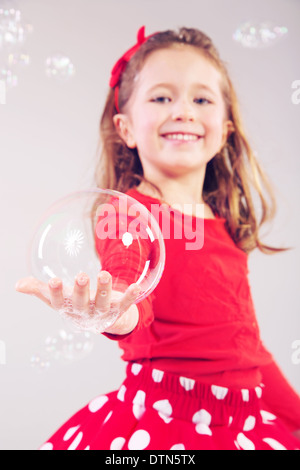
(32, 286)
(81, 292)
(129, 297)
(103, 294)
(56, 293)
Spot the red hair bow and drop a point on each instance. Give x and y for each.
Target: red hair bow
(121, 64)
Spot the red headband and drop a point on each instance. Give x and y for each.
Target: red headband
(121, 64)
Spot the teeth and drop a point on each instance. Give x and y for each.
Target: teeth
(181, 137)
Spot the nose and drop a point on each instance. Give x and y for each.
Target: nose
(183, 111)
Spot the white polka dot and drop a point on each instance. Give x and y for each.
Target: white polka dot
(87, 448)
(138, 408)
(187, 384)
(202, 428)
(166, 419)
(117, 443)
(139, 398)
(245, 394)
(249, 423)
(139, 440)
(76, 441)
(202, 419)
(47, 446)
(244, 442)
(258, 391)
(178, 447)
(202, 416)
(138, 411)
(157, 375)
(219, 392)
(121, 393)
(164, 407)
(107, 417)
(267, 417)
(136, 368)
(230, 420)
(70, 432)
(97, 403)
(275, 445)
(236, 445)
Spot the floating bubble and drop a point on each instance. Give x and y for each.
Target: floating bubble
(257, 35)
(39, 362)
(8, 77)
(13, 29)
(65, 348)
(59, 66)
(18, 59)
(94, 230)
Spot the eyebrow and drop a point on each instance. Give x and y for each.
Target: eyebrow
(170, 85)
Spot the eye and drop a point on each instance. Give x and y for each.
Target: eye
(202, 101)
(161, 99)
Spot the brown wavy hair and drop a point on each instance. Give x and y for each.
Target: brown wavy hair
(231, 175)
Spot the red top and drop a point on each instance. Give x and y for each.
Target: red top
(200, 321)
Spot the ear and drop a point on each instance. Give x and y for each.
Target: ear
(228, 128)
(123, 128)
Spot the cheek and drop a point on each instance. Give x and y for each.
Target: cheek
(146, 129)
(213, 123)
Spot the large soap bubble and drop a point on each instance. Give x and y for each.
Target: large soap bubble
(93, 230)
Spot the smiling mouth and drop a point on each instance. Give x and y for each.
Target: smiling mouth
(182, 137)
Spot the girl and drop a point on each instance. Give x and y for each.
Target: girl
(198, 375)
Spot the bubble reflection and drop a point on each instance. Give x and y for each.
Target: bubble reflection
(18, 58)
(37, 361)
(257, 35)
(64, 348)
(13, 29)
(8, 77)
(59, 66)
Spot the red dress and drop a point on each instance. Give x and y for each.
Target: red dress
(198, 375)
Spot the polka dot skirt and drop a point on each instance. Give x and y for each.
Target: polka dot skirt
(156, 410)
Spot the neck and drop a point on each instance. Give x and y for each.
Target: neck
(175, 190)
(182, 193)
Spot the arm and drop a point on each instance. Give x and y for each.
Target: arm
(126, 264)
(143, 318)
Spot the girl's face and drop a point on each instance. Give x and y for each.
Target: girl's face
(176, 115)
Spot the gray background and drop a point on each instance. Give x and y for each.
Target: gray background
(49, 133)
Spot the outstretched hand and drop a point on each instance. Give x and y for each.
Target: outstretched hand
(109, 311)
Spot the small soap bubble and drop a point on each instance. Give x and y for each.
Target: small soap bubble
(59, 67)
(67, 347)
(258, 35)
(64, 348)
(8, 77)
(40, 363)
(18, 59)
(13, 29)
